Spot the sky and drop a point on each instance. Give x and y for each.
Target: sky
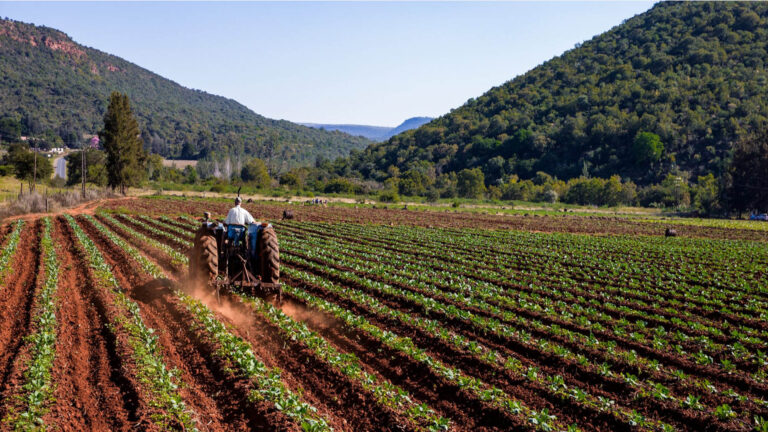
(372, 63)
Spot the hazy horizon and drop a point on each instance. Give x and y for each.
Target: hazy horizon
(353, 63)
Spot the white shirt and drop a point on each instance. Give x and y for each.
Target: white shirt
(238, 216)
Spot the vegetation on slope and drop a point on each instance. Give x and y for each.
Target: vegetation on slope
(56, 89)
(667, 92)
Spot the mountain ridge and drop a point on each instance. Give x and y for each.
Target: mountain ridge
(53, 85)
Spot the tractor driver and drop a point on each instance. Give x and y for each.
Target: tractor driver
(238, 215)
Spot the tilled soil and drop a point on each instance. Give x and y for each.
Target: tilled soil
(344, 403)
(218, 398)
(94, 375)
(92, 389)
(16, 304)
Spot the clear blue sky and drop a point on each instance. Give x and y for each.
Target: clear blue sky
(347, 62)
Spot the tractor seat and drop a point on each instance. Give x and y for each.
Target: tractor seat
(236, 234)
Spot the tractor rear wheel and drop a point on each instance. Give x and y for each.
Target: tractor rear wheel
(204, 259)
(208, 263)
(269, 253)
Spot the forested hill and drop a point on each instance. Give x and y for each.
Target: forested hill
(692, 73)
(51, 85)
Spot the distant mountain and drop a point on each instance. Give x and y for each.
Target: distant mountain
(695, 74)
(374, 133)
(411, 123)
(52, 86)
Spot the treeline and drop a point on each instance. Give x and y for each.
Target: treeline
(704, 195)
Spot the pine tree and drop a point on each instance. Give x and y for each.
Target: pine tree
(121, 139)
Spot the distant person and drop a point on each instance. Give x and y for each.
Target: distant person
(238, 215)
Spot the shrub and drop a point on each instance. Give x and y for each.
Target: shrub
(389, 196)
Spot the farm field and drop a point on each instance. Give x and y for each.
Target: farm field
(392, 320)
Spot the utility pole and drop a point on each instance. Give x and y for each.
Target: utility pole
(82, 169)
(34, 170)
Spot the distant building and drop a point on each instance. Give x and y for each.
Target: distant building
(94, 142)
(57, 150)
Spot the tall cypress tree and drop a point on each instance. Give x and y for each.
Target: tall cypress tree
(122, 142)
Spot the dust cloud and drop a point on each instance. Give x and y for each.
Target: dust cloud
(241, 315)
(313, 319)
(235, 313)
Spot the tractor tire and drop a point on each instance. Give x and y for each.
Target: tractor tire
(204, 257)
(269, 253)
(208, 263)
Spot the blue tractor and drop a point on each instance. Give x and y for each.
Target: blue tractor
(236, 257)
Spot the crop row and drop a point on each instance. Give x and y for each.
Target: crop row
(37, 388)
(521, 336)
(745, 349)
(554, 384)
(453, 303)
(10, 250)
(161, 381)
(608, 258)
(177, 258)
(520, 260)
(651, 389)
(424, 269)
(385, 392)
(490, 394)
(233, 349)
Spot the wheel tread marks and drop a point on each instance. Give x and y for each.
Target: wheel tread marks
(269, 253)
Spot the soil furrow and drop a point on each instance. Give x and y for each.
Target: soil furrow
(16, 302)
(92, 391)
(352, 407)
(218, 398)
(401, 370)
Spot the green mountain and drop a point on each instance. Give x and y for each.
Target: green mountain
(692, 73)
(51, 86)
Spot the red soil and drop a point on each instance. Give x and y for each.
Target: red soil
(219, 399)
(344, 403)
(16, 303)
(93, 391)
